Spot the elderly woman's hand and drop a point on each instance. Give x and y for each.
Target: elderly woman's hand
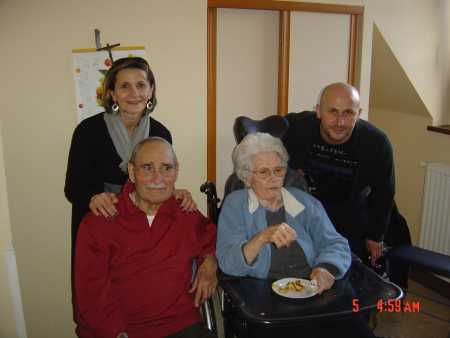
(323, 278)
(187, 202)
(282, 235)
(103, 204)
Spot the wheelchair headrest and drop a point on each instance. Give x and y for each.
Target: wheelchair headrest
(274, 125)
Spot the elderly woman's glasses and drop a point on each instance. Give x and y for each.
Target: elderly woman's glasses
(164, 170)
(264, 173)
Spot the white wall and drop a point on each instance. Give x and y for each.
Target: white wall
(446, 56)
(428, 147)
(38, 113)
(313, 38)
(12, 324)
(38, 117)
(410, 91)
(366, 53)
(247, 66)
(417, 32)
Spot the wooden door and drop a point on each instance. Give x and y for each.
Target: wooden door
(268, 57)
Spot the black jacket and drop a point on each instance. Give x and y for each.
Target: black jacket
(375, 173)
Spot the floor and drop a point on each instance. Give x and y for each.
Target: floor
(431, 321)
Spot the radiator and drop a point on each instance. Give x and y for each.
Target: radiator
(435, 229)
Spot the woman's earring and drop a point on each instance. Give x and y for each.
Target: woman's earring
(149, 105)
(115, 107)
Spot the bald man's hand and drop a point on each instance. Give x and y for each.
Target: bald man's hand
(375, 250)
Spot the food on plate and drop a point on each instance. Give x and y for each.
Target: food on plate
(294, 286)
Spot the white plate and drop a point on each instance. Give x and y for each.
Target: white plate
(309, 288)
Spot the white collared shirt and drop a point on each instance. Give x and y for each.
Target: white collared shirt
(291, 205)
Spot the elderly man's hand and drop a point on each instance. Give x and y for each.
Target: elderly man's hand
(323, 278)
(187, 202)
(375, 250)
(282, 235)
(205, 281)
(103, 204)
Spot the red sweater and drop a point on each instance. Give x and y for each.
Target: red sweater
(135, 278)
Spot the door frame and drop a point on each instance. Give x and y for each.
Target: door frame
(285, 8)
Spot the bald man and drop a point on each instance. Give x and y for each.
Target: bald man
(134, 271)
(349, 165)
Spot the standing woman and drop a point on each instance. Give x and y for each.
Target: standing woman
(102, 144)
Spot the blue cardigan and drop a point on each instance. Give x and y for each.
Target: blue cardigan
(241, 217)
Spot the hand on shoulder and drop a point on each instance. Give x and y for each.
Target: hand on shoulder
(104, 204)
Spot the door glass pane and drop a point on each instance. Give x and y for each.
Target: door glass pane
(247, 66)
(318, 55)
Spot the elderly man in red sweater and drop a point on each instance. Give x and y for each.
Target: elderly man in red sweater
(134, 271)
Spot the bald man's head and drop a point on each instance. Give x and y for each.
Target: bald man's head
(338, 110)
(339, 88)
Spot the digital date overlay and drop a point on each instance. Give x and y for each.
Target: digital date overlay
(391, 305)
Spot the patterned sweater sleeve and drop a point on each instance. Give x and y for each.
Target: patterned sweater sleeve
(381, 198)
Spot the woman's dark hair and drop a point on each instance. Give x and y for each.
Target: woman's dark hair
(111, 76)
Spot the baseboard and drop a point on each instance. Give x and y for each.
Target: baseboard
(431, 281)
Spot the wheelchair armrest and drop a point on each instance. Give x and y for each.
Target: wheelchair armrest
(209, 316)
(425, 259)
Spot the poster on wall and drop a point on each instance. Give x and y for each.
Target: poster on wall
(89, 69)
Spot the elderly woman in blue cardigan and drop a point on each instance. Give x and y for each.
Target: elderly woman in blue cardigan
(270, 232)
(305, 242)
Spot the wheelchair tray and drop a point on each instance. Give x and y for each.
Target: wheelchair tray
(360, 290)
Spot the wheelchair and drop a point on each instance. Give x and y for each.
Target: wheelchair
(249, 307)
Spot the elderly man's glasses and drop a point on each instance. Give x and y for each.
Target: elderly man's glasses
(164, 170)
(264, 173)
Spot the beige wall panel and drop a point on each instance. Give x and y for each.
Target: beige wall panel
(7, 321)
(247, 65)
(418, 26)
(413, 145)
(5, 226)
(38, 117)
(38, 114)
(318, 55)
(11, 312)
